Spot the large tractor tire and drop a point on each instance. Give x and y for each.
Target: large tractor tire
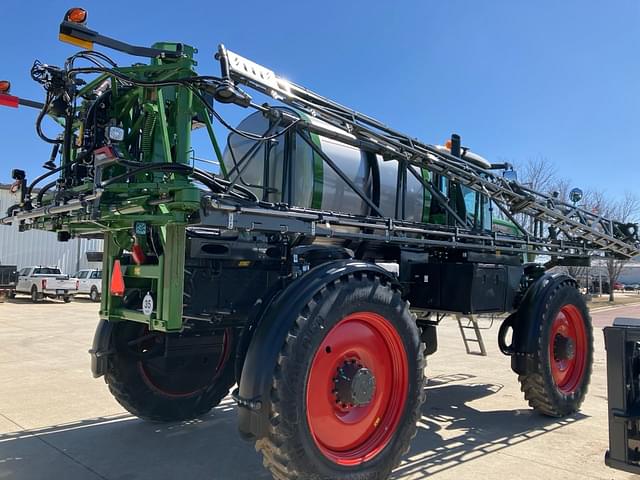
(156, 388)
(347, 389)
(558, 383)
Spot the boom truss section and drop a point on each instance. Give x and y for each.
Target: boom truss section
(569, 227)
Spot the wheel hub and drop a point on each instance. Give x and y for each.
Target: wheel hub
(355, 385)
(568, 349)
(564, 348)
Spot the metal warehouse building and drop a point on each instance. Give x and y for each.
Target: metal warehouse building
(41, 248)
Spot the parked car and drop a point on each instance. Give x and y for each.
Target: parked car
(8, 281)
(90, 283)
(46, 282)
(632, 287)
(618, 286)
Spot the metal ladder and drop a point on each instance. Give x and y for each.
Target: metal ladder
(471, 326)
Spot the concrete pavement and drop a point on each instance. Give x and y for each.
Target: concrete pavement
(56, 421)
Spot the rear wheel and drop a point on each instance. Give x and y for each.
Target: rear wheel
(348, 386)
(94, 295)
(179, 387)
(34, 294)
(558, 384)
(67, 298)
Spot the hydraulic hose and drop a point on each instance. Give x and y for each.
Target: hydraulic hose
(44, 190)
(216, 185)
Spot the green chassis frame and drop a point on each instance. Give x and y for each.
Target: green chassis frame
(165, 125)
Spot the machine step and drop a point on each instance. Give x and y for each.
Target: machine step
(477, 334)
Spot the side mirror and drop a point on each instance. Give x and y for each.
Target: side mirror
(510, 175)
(575, 195)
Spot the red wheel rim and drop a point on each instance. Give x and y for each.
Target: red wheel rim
(355, 434)
(568, 349)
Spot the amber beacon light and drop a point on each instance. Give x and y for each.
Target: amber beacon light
(76, 15)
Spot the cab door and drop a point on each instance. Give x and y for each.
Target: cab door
(95, 280)
(472, 206)
(23, 280)
(83, 282)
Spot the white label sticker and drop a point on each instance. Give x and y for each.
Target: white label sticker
(147, 304)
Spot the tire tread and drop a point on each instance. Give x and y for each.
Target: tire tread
(537, 391)
(278, 453)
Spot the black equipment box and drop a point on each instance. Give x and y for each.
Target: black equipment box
(464, 287)
(622, 342)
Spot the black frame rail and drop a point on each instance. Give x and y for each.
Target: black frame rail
(226, 213)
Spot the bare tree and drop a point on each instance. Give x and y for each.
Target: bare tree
(626, 209)
(539, 174)
(561, 189)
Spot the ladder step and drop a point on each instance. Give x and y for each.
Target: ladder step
(472, 325)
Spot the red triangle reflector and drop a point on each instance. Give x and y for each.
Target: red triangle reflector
(9, 100)
(117, 280)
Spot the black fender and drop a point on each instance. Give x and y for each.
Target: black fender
(256, 313)
(257, 373)
(525, 322)
(312, 255)
(101, 347)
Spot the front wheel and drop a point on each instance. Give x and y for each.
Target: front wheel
(559, 382)
(94, 295)
(348, 386)
(181, 386)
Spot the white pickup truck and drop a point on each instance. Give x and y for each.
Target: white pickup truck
(90, 283)
(46, 282)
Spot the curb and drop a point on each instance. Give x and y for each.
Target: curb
(613, 307)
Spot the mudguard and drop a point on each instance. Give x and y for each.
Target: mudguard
(526, 321)
(100, 349)
(257, 372)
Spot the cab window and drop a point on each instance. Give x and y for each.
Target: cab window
(46, 271)
(477, 208)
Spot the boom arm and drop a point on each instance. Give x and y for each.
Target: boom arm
(577, 224)
(568, 224)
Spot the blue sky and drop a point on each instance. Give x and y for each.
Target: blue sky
(516, 79)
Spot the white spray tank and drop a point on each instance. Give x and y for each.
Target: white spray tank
(315, 184)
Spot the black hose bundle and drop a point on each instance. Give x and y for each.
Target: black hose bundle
(55, 81)
(215, 184)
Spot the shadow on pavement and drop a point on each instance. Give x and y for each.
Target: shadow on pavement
(49, 301)
(83, 298)
(125, 448)
(26, 299)
(451, 432)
